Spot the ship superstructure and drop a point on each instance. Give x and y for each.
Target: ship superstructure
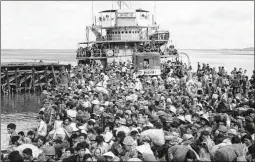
(121, 34)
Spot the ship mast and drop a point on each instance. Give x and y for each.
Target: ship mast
(120, 2)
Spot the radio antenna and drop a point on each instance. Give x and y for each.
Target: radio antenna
(92, 12)
(155, 11)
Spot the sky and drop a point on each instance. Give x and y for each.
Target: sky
(192, 24)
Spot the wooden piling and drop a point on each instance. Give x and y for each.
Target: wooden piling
(46, 77)
(16, 80)
(39, 80)
(54, 76)
(33, 78)
(25, 82)
(7, 80)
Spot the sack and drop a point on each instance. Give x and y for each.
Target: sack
(178, 152)
(35, 150)
(101, 90)
(156, 135)
(229, 153)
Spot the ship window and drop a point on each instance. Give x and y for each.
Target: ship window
(115, 32)
(133, 32)
(122, 32)
(112, 32)
(126, 32)
(129, 31)
(118, 32)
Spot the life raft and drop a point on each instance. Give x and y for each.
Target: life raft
(109, 53)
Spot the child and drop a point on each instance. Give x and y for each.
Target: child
(58, 127)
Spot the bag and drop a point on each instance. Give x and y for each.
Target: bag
(102, 90)
(156, 135)
(229, 153)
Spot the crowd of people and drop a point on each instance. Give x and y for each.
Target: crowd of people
(102, 50)
(113, 114)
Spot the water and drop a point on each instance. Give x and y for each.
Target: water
(21, 109)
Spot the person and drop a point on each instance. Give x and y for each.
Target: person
(24, 138)
(15, 157)
(42, 129)
(27, 155)
(11, 130)
(144, 118)
(80, 157)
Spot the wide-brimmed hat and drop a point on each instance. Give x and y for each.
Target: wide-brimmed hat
(206, 118)
(172, 109)
(188, 118)
(182, 118)
(109, 154)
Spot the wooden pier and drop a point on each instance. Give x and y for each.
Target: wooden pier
(31, 76)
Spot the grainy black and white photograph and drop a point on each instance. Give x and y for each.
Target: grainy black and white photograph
(138, 81)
